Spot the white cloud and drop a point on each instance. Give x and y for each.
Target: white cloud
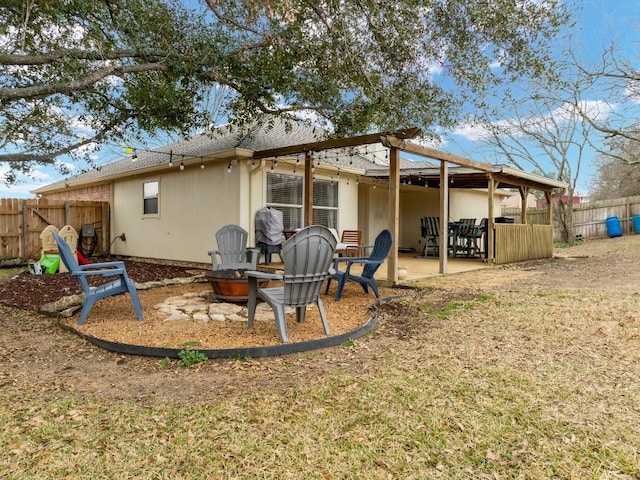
(598, 110)
(41, 176)
(471, 131)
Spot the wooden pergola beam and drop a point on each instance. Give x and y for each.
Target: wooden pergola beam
(435, 154)
(337, 143)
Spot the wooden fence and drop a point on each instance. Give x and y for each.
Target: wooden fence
(589, 219)
(518, 243)
(23, 220)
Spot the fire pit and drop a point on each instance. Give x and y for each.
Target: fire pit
(231, 285)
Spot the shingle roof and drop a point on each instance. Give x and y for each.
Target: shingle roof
(261, 136)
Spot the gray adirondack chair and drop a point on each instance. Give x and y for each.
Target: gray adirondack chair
(232, 252)
(122, 284)
(307, 258)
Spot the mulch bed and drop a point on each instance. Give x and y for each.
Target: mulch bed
(26, 290)
(113, 319)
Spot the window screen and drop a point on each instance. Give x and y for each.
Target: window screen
(285, 192)
(150, 195)
(325, 203)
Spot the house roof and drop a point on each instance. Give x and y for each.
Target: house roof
(280, 139)
(227, 143)
(422, 174)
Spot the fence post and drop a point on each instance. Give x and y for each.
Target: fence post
(25, 231)
(67, 213)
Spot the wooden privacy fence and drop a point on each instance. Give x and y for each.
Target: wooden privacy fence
(517, 243)
(589, 219)
(23, 220)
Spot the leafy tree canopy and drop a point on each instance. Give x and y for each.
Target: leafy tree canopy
(75, 74)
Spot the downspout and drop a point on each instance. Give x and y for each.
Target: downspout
(253, 168)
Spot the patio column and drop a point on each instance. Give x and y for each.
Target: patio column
(524, 193)
(308, 189)
(490, 255)
(394, 213)
(443, 241)
(549, 197)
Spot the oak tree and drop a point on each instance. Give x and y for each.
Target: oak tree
(79, 74)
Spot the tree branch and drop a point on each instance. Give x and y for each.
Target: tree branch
(40, 91)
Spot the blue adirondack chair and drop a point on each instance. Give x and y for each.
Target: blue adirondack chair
(370, 264)
(232, 252)
(307, 258)
(106, 269)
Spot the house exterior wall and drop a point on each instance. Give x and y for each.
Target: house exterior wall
(92, 193)
(193, 205)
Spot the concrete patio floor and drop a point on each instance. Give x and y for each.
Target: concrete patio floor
(417, 267)
(421, 267)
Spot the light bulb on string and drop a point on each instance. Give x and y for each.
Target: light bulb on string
(181, 164)
(229, 168)
(171, 158)
(201, 164)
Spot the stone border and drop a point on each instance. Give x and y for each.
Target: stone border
(67, 306)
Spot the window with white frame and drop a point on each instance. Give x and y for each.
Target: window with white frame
(150, 198)
(285, 192)
(325, 203)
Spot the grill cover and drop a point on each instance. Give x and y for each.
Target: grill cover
(269, 226)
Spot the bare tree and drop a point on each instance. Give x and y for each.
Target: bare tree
(549, 132)
(618, 171)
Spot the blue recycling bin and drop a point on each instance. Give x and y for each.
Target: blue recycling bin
(614, 229)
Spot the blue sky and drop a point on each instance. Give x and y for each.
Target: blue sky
(600, 22)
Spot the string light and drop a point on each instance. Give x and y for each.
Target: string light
(181, 164)
(201, 164)
(229, 168)
(171, 158)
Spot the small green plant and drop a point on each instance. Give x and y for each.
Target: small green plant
(447, 311)
(483, 297)
(349, 343)
(165, 363)
(191, 357)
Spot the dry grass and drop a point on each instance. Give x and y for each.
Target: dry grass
(524, 372)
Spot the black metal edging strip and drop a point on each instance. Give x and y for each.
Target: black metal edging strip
(252, 352)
